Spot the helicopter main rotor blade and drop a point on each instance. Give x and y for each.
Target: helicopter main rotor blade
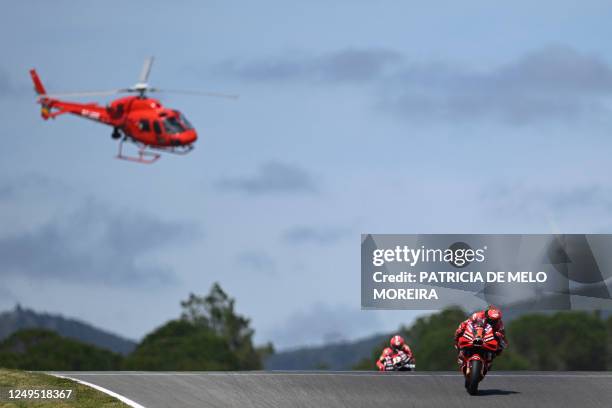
(146, 70)
(86, 94)
(201, 93)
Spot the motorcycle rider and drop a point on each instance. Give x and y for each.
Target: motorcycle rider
(384, 361)
(398, 345)
(491, 315)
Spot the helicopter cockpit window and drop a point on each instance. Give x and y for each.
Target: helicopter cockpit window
(186, 124)
(172, 125)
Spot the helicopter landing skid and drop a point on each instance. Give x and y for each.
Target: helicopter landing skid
(180, 150)
(144, 156)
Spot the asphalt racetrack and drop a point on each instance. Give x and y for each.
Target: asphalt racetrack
(294, 389)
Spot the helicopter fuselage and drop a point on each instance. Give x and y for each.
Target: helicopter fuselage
(143, 120)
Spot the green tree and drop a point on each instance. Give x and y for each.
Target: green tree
(265, 351)
(216, 311)
(563, 341)
(180, 345)
(209, 335)
(366, 364)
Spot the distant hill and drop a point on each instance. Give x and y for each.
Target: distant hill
(40, 349)
(20, 318)
(336, 356)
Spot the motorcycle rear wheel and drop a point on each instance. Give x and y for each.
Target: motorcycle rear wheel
(474, 377)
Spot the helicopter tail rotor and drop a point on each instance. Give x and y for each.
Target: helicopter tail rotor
(38, 86)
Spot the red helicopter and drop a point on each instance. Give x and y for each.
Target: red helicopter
(137, 119)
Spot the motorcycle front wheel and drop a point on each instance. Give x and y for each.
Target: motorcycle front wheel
(473, 378)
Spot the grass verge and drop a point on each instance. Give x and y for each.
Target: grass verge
(83, 396)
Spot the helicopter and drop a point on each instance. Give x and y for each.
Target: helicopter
(138, 119)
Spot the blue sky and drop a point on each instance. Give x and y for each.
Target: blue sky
(354, 117)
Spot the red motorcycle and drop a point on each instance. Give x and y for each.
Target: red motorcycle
(477, 348)
(399, 361)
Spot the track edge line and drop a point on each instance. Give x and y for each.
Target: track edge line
(113, 394)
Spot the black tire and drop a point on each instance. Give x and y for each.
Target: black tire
(474, 377)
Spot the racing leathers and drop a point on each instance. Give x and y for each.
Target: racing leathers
(496, 324)
(385, 361)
